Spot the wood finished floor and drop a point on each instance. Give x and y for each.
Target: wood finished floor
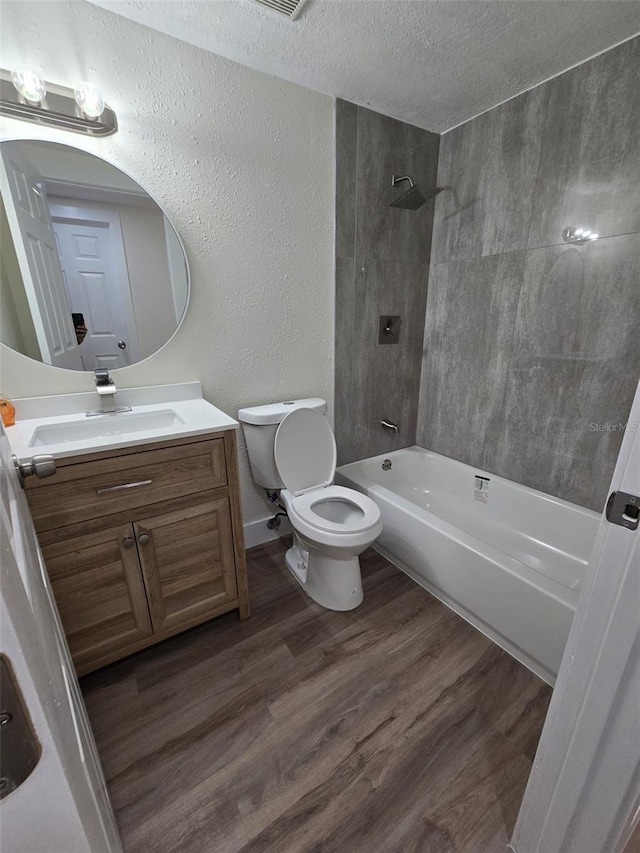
(396, 728)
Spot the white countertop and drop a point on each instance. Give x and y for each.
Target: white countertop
(180, 409)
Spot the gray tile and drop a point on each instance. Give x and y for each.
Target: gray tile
(391, 272)
(387, 147)
(422, 151)
(589, 169)
(488, 169)
(344, 355)
(346, 152)
(471, 310)
(386, 378)
(575, 365)
(528, 409)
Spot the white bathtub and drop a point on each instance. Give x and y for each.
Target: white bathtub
(508, 559)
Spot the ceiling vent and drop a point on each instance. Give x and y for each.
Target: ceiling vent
(289, 8)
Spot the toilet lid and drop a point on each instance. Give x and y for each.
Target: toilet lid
(305, 451)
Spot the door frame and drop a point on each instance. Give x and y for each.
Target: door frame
(584, 789)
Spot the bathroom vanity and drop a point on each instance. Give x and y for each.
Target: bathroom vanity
(142, 536)
(140, 525)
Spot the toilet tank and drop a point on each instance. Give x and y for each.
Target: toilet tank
(259, 424)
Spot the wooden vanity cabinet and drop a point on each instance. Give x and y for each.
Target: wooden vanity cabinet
(187, 563)
(100, 594)
(142, 543)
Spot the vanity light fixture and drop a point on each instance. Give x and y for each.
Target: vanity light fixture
(29, 86)
(578, 235)
(89, 100)
(23, 95)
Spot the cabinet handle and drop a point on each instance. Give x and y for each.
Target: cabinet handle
(143, 538)
(127, 542)
(123, 486)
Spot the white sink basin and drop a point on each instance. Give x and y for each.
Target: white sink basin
(104, 426)
(58, 425)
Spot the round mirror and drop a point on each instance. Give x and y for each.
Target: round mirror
(92, 273)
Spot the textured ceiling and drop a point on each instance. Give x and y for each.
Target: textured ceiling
(434, 63)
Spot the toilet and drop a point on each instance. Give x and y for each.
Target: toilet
(292, 448)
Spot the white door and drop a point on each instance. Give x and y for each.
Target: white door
(583, 795)
(63, 804)
(32, 232)
(93, 259)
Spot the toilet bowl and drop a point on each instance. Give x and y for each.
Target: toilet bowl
(332, 525)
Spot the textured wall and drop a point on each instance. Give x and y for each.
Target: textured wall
(382, 264)
(243, 165)
(530, 342)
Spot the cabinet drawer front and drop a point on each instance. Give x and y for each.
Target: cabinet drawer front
(98, 587)
(87, 490)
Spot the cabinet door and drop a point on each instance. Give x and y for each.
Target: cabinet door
(188, 565)
(100, 593)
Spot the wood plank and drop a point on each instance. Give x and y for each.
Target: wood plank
(396, 727)
(158, 637)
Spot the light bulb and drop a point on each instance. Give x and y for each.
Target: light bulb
(578, 232)
(89, 100)
(593, 236)
(29, 86)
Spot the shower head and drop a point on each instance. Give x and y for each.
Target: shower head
(415, 196)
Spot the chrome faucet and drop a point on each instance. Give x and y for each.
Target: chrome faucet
(104, 383)
(106, 388)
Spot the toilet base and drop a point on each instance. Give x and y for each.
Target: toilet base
(297, 561)
(331, 582)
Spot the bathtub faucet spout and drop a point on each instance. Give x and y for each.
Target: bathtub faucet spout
(389, 425)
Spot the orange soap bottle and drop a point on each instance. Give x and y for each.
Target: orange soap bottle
(7, 413)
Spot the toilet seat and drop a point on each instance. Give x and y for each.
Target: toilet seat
(305, 456)
(315, 529)
(303, 506)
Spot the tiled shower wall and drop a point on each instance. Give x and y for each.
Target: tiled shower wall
(382, 267)
(532, 346)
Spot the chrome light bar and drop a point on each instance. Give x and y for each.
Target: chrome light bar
(58, 109)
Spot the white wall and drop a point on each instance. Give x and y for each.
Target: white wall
(243, 165)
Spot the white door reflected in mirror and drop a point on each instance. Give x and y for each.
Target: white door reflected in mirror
(94, 266)
(93, 273)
